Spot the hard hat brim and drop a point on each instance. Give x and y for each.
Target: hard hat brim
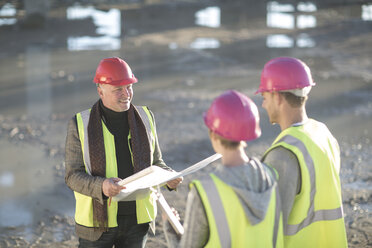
(118, 82)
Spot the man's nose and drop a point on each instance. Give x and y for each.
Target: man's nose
(125, 92)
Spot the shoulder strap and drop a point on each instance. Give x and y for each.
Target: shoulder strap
(218, 211)
(85, 118)
(148, 121)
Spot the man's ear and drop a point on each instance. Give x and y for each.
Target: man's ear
(212, 135)
(215, 141)
(99, 91)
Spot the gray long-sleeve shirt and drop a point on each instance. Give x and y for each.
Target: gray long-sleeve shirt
(286, 164)
(252, 184)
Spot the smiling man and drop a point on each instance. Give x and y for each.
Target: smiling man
(109, 142)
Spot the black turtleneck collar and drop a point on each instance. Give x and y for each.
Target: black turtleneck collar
(110, 114)
(117, 122)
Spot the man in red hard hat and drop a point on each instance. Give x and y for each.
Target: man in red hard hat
(306, 157)
(109, 142)
(238, 204)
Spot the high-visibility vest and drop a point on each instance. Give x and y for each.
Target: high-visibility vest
(227, 221)
(146, 207)
(316, 218)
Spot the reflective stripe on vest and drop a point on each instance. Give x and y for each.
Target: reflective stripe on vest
(218, 212)
(85, 118)
(148, 121)
(146, 207)
(312, 216)
(212, 201)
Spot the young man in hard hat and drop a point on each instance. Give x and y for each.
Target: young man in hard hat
(238, 204)
(105, 144)
(305, 155)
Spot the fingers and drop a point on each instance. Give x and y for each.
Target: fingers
(110, 187)
(175, 212)
(115, 179)
(175, 182)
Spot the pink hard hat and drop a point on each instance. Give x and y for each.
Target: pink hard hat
(283, 74)
(234, 117)
(114, 71)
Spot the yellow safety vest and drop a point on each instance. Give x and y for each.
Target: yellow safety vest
(228, 224)
(146, 207)
(316, 218)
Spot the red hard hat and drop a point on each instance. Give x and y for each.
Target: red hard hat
(233, 116)
(114, 71)
(285, 73)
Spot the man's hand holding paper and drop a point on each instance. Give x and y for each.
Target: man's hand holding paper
(173, 184)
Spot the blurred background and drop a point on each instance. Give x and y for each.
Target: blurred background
(184, 53)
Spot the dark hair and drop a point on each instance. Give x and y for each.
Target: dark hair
(228, 144)
(293, 100)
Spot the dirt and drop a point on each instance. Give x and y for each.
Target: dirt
(44, 83)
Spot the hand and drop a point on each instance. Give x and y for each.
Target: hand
(110, 186)
(174, 183)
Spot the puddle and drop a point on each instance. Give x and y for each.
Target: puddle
(273, 6)
(7, 14)
(304, 40)
(279, 41)
(367, 12)
(14, 214)
(286, 41)
(280, 20)
(108, 27)
(286, 16)
(209, 17)
(87, 43)
(6, 179)
(205, 43)
(306, 7)
(306, 21)
(173, 46)
(27, 183)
